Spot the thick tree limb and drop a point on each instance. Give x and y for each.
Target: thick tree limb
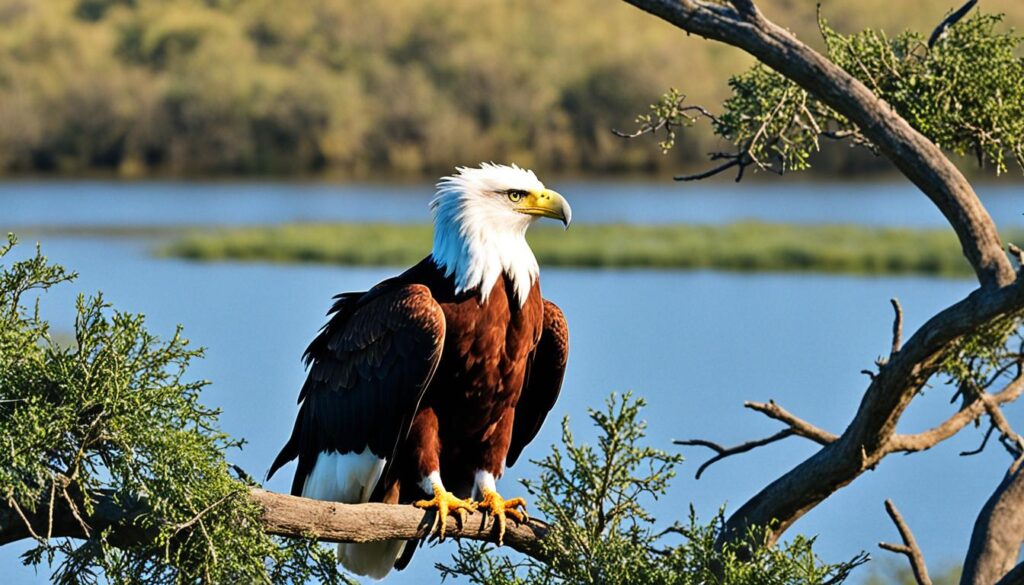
(916, 156)
(998, 534)
(284, 516)
(909, 546)
(867, 439)
(1014, 577)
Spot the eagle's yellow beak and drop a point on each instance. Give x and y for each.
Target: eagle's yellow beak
(546, 203)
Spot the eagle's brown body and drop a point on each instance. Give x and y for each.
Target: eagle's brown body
(429, 379)
(431, 382)
(466, 416)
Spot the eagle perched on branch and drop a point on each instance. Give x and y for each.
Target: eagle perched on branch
(422, 389)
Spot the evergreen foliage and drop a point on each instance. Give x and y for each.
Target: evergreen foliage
(966, 93)
(114, 413)
(595, 495)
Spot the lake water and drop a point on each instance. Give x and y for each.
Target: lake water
(694, 344)
(93, 203)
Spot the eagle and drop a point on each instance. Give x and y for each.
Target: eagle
(424, 388)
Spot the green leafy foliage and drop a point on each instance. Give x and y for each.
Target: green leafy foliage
(966, 93)
(984, 358)
(111, 413)
(595, 496)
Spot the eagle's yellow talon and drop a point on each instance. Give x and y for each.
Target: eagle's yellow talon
(500, 508)
(443, 503)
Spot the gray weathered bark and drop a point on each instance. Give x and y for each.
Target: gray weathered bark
(871, 435)
(998, 532)
(283, 515)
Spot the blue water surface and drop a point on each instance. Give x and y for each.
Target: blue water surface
(695, 345)
(96, 203)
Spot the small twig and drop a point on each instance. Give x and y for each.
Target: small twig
(940, 31)
(74, 511)
(199, 516)
(799, 426)
(53, 492)
(909, 546)
(243, 475)
(723, 452)
(1013, 442)
(981, 447)
(14, 504)
(897, 327)
(645, 129)
(741, 160)
(652, 128)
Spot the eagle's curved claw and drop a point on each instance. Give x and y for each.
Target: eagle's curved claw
(443, 503)
(500, 508)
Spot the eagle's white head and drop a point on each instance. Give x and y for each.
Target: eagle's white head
(480, 220)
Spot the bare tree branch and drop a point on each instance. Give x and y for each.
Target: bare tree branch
(797, 425)
(723, 452)
(981, 447)
(283, 515)
(897, 326)
(909, 546)
(741, 160)
(656, 124)
(868, 437)
(970, 412)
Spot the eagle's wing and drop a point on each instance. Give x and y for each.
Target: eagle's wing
(368, 369)
(543, 380)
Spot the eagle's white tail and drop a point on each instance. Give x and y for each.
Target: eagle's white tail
(350, 478)
(371, 559)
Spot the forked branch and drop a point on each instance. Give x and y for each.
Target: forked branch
(723, 452)
(909, 547)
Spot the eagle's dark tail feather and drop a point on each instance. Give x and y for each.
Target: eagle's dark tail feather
(410, 549)
(288, 452)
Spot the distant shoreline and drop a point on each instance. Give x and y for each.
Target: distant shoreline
(739, 247)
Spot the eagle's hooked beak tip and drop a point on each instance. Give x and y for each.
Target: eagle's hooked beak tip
(547, 203)
(566, 213)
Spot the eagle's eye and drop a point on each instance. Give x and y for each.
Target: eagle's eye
(514, 195)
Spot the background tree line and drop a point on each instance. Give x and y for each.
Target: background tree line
(206, 87)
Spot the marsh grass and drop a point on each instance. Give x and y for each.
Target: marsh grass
(743, 247)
